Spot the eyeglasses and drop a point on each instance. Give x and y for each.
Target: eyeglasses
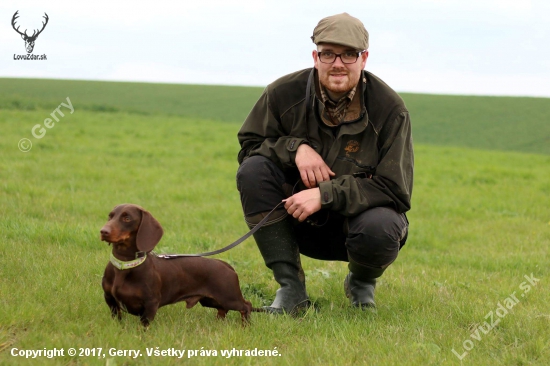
(349, 57)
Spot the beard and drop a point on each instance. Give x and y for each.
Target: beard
(338, 80)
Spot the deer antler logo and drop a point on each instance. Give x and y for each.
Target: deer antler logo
(29, 40)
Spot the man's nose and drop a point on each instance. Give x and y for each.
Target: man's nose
(338, 62)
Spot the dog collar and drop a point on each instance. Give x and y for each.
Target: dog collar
(122, 265)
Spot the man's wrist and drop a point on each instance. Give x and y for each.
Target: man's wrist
(294, 143)
(292, 147)
(302, 143)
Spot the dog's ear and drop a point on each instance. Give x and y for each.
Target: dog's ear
(149, 232)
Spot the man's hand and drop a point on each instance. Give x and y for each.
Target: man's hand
(304, 203)
(312, 167)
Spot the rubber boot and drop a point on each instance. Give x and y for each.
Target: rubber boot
(279, 248)
(360, 283)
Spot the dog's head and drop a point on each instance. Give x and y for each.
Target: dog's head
(131, 228)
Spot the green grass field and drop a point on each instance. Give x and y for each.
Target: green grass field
(497, 123)
(480, 223)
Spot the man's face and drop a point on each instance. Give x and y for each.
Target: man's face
(337, 77)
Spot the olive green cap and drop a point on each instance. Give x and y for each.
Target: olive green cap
(342, 29)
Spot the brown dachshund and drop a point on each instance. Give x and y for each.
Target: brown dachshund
(139, 282)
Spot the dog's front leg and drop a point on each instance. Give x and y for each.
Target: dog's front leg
(113, 305)
(149, 313)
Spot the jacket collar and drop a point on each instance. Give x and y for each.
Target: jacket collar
(356, 110)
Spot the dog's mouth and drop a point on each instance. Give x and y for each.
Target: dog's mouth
(112, 242)
(107, 240)
(113, 238)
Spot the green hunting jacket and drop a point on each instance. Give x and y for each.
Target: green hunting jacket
(371, 151)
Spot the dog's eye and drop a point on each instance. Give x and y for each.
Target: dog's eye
(126, 219)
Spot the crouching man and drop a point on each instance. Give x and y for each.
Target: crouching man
(333, 141)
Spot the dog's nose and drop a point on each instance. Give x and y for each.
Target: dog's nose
(105, 230)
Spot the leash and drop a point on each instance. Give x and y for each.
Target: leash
(224, 249)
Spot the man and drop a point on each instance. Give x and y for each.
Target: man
(345, 137)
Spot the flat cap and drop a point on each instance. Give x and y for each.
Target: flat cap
(342, 29)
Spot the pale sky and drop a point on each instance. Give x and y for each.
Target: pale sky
(488, 47)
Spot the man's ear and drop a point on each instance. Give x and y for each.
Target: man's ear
(315, 58)
(364, 57)
(149, 232)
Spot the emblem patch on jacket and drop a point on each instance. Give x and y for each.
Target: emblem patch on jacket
(352, 147)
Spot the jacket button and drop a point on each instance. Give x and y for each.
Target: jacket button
(325, 196)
